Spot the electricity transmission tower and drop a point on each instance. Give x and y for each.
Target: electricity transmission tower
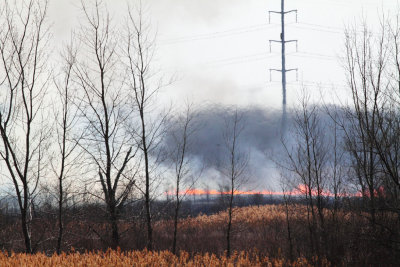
(283, 42)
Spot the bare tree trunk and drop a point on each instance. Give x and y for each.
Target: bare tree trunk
(114, 227)
(236, 166)
(25, 222)
(60, 217)
(181, 135)
(24, 86)
(147, 190)
(308, 160)
(139, 52)
(365, 74)
(311, 221)
(228, 229)
(107, 141)
(176, 216)
(68, 121)
(287, 217)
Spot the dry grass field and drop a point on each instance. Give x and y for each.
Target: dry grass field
(144, 258)
(259, 238)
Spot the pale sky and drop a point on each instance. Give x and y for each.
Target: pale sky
(219, 49)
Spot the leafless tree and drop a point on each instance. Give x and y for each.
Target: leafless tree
(24, 80)
(235, 166)
(387, 141)
(337, 175)
(307, 158)
(366, 57)
(182, 137)
(67, 158)
(288, 188)
(139, 48)
(373, 72)
(105, 111)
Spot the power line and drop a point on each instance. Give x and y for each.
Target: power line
(315, 55)
(321, 26)
(253, 28)
(349, 3)
(236, 60)
(316, 29)
(319, 84)
(326, 29)
(219, 34)
(260, 56)
(229, 61)
(316, 84)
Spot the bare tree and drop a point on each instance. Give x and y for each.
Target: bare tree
(365, 62)
(24, 134)
(307, 158)
(235, 167)
(372, 134)
(287, 187)
(336, 176)
(143, 86)
(67, 158)
(105, 111)
(182, 137)
(387, 141)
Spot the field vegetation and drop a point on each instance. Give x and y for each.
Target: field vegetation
(259, 238)
(146, 258)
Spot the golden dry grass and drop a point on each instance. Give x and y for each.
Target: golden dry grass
(208, 225)
(144, 258)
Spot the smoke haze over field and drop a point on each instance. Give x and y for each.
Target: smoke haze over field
(261, 139)
(261, 135)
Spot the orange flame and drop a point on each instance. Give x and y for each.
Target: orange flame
(298, 191)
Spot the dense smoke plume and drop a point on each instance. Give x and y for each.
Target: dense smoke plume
(261, 136)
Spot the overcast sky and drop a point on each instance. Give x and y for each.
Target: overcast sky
(219, 49)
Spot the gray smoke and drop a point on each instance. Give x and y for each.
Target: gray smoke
(261, 134)
(261, 139)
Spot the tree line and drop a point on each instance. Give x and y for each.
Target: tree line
(90, 130)
(346, 157)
